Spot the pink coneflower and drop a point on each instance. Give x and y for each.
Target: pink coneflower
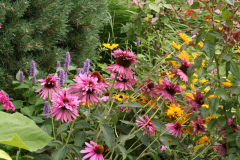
(175, 129)
(221, 148)
(5, 100)
(198, 126)
(86, 89)
(162, 148)
(168, 90)
(150, 126)
(64, 106)
(123, 83)
(149, 89)
(105, 97)
(95, 151)
(232, 125)
(123, 62)
(49, 86)
(222, 131)
(101, 81)
(182, 70)
(198, 101)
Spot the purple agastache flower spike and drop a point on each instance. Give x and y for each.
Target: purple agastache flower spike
(79, 71)
(58, 65)
(67, 61)
(32, 69)
(21, 77)
(50, 74)
(61, 77)
(46, 110)
(138, 42)
(86, 66)
(34, 79)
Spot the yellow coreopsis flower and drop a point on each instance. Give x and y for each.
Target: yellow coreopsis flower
(146, 18)
(185, 38)
(195, 79)
(203, 81)
(174, 111)
(183, 55)
(192, 87)
(204, 139)
(170, 74)
(203, 63)
(121, 97)
(201, 44)
(205, 105)
(183, 87)
(107, 45)
(178, 47)
(228, 83)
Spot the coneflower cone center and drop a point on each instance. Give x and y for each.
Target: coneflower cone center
(50, 83)
(97, 75)
(106, 94)
(124, 80)
(150, 85)
(178, 126)
(200, 101)
(65, 100)
(184, 68)
(170, 90)
(99, 149)
(124, 63)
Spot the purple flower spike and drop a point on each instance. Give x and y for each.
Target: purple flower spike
(32, 69)
(61, 77)
(46, 110)
(79, 71)
(21, 77)
(86, 66)
(138, 42)
(58, 65)
(34, 79)
(67, 61)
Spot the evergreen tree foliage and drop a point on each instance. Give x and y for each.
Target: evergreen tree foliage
(44, 30)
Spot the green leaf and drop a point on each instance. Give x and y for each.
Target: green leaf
(20, 131)
(222, 121)
(122, 137)
(108, 134)
(226, 14)
(198, 61)
(160, 126)
(173, 59)
(194, 115)
(209, 93)
(22, 85)
(190, 71)
(238, 142)
(80, 138)
(144, 139)
(59, 68)
(17, 104)
(231, 2)
(200, 37)
(222, 93)
(4, 155)
(197, 147)
(114, 118)
(215, 34)
(64, 127)
(128, 122)
(59, 153)
(123, 150)
(131, 104)
(232, 157)
(82, 125)
(17, 75)
(165, 141)
(213, 106)
(209, 48)
(41, 157)
(231, 150)
(212, 124)
(154, 7)
(234, 69)
(204, 112)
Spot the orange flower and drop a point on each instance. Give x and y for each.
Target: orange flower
(189, 12)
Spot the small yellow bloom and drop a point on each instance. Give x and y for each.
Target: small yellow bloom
(160, 81)
(174, 111)
(203, 63)
(185, 38)
(188, 95)
(195, 55)
(183, 87)
(205, 105)
(192, 87)
(178, 47)
(146, 18)
(107, 45)
(184, 55)
(121, 97)
(228, 83)
(203, 81)
(204, 139)
(170, 74)
(201, 44)
(195, 79)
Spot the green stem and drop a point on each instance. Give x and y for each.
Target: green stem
(60, 125)
(135, 142)
(52, 120)
(69, 134)
(89, 111)
(18, 152)
(105, 111)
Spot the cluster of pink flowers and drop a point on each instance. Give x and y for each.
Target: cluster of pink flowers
(149, 126)
(5, 100)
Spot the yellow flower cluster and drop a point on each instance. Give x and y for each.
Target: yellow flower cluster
(228, 83)
(178, 47)
(185, 38)
(174, 111)
(107, 45)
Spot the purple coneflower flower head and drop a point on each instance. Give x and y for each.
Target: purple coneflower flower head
(198, 126)
(58, 65)
(64, 106)
(79, 71)
(232, 125)
(46, 110)
(138, 42)
(105, 97)
(197, 101)
(67, 61)
(182, 71)
(61, 77)
(94, 152)
(33, 68)
(221, 148)
(123, 83)
(101, 81)
(86, 89)
(49, 86)
(168, 90)
(149, 89)
(21, 77)
(149, 127)
(86, 66)
(175, 129)
(123, 62)
(222, 131)
(5, 100)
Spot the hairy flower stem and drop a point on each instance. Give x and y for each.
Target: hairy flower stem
(105, 111)
(135, 142)
(52, 121)
(60, 125)
(69, 134)
(89, 112)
